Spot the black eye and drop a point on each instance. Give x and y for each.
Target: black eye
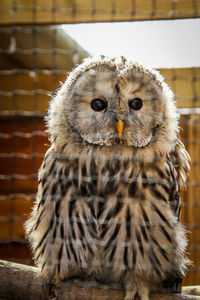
(98, 104)
(135, 104)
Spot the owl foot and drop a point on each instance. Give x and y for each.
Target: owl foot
(48, 289)
(130, 294)
(173, 284)
(141, 291)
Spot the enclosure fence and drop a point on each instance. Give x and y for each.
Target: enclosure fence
(36, 55)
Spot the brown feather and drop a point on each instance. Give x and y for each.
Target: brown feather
(108, 207)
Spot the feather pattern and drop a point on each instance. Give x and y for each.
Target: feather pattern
(104, 227)
(108, 208)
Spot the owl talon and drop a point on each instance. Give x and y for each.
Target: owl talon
(48, 289)
(130, 294)
(173, 284)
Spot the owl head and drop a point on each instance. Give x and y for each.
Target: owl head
(114, 103)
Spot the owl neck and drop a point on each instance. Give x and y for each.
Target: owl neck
(102, 154)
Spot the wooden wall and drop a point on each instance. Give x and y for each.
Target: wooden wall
(23, 143)
(65, 11)
(191, 198)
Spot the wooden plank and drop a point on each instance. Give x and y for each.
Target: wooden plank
(64, 12)
(13, 229)
(24, 135)
(13, 213)
(191, 290)
(21, 282)
(191, 206)
(22, 92)
(20, 165)
(17, 185)
(16, 252)
(23, 145)
(185, 83)
(38, 48)
(23, 124)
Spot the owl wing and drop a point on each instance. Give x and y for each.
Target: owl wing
(181, 161)
(178, 163)
(43, 224)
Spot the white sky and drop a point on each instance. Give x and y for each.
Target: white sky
(153, 43)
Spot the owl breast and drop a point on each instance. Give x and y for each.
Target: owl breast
(106, 221)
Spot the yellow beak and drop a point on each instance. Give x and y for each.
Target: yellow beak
(120, 127)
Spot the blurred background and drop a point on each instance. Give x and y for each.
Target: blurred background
(40, 42)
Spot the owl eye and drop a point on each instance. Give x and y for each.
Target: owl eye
(98, 104)
(135, 104)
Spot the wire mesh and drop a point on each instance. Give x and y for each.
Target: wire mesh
(34, 60)
(60, 12)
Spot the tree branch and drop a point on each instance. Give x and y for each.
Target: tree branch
(21, 282)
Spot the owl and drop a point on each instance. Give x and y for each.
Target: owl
(108, 200)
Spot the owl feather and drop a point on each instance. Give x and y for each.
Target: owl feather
(108, 201)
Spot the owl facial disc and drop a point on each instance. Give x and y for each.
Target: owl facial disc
(142, 143)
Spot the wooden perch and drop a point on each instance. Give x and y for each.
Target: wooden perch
(20, 282)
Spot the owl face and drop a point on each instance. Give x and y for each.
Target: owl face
(110, 102)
